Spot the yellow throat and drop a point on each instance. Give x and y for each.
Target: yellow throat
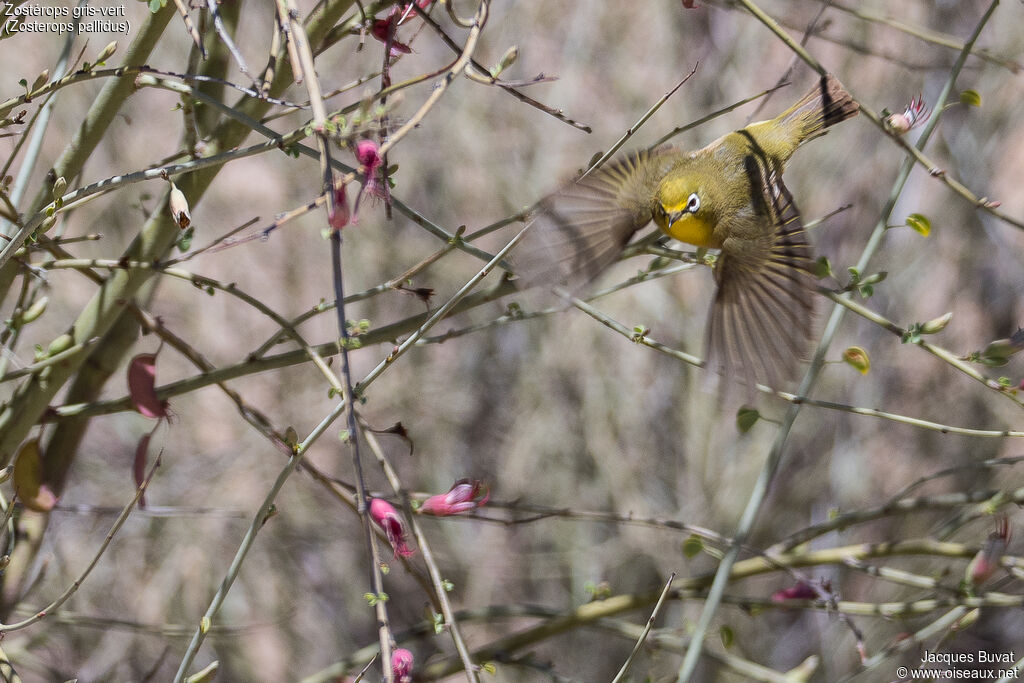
(692, 229)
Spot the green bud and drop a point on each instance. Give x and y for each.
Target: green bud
(41, 80)
(875, 279)
(507, 60)
(61, 343)
(971, 98)
(34, 311)
(998, 352)
(937, 324)
(107, 52)
(60, 185)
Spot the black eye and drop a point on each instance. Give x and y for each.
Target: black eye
(693, 203)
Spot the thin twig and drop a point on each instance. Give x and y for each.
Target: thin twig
(641, 121)
(77, 583)
(218, 25)
(465, 57)
(190, 27)
(522, 97)
(647, 629)
(300, 47)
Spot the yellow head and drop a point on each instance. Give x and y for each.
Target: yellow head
(684, 209)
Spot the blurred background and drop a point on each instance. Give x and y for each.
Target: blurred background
(553, 411)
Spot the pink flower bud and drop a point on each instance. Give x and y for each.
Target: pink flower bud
(142, 386)
(801, 591)
(401, 665)
(388, 519)
(338, 216)
(460, 498)
(986, 562)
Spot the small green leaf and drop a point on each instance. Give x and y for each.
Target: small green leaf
(858, 359)
(727, 635)
(204, 624)
(185, 241)
(373, 598)
(489, 667)
(746, 417)
(919, 223)
(971, 98)
(447, 585)
(822, 268)
(692, 547)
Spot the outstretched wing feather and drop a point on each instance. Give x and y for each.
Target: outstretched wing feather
(578, 231)
(763, 314)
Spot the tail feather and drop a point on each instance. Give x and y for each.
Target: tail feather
(824, 105)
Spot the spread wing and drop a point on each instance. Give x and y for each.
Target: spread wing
(579, 230)
(763, 314)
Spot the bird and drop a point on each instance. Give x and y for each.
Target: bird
(728, 196)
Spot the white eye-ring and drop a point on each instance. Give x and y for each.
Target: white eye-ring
(693, 203)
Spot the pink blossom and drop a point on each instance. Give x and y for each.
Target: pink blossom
(368, 155)
(460, 498)
(388, 519)
(401, 665)
(380, 28)
(914, 115)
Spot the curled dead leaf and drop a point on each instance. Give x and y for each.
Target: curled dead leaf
(28, 479)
